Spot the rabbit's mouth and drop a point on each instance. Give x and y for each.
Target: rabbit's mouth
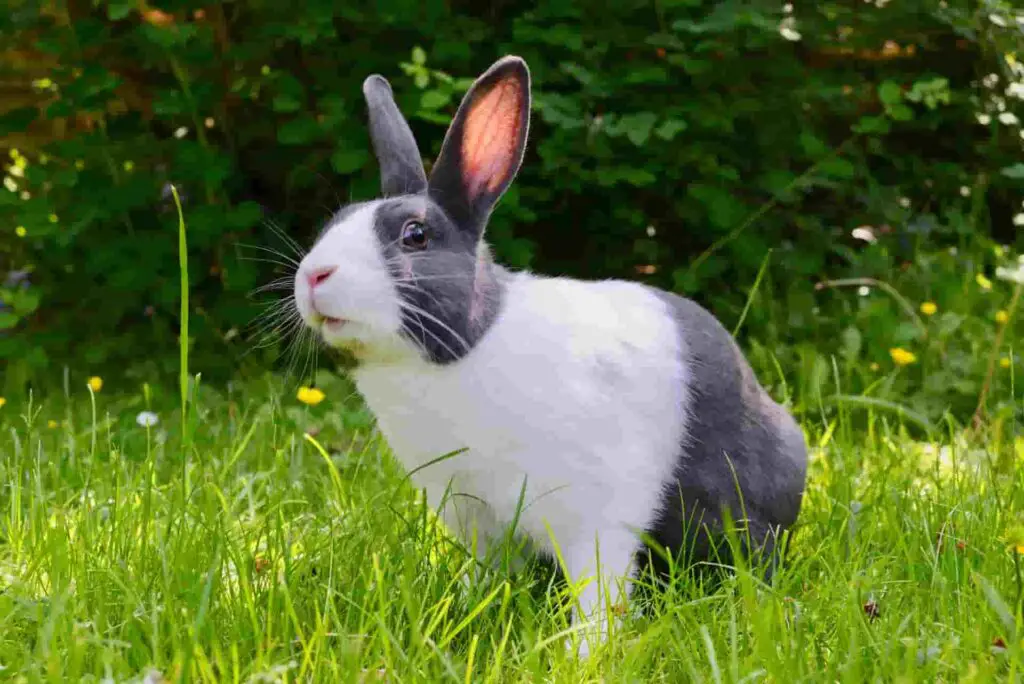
(332, 323)
(324, 322)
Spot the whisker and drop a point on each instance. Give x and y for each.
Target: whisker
(438, 321)
(291, 352)
(263, 260)
(410, 288)
(271, 338)
(291, 242)
(423, 334)
(435, 337)
(278, 316)
(282, 283)
(276, 333)
(420, 313)
(273, 330)
(334, 190)
(309, 344)
(285, 258)
(276, 308)
(428, 278)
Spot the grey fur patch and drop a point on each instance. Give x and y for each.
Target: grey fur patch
(451, 291)
(732, 420)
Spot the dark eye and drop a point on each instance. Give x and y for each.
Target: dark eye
(413, 235)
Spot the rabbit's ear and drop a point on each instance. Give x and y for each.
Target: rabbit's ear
(484, 145)
(401, 168)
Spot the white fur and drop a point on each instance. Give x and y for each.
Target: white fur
(360, 290)
(578, 389)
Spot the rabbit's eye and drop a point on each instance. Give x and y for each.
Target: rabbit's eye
(413, 235)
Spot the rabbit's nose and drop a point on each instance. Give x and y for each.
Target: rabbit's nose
(318, 275)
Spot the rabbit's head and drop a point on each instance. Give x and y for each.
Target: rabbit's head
(410, 273)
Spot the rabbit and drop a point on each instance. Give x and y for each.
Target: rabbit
(597, 416)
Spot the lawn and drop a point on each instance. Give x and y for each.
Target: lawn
(288, 546)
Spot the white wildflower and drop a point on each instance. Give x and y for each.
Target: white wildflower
(181, 133)
(1014, 275)
(865, 233)
(984, 119)
(863, 290)
(990, 81)
(787, 29)
(147, 419)
(1008, 119)
(998, 19)
(965, 191)
(1018, 220)
(153, 676)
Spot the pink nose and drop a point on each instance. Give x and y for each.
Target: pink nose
(319, 275)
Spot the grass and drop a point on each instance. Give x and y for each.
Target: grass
(270, 555)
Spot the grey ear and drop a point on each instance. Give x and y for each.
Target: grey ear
(401, 167)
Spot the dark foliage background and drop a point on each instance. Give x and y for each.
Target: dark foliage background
(680, 142)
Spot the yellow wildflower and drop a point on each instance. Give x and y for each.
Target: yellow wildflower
(311, 396)
(902, 357)
(51, 424)
(79, 164)
(129, 166)
(53, 218)
(929, 308)
(20, 231)
(983, 282)
(1005, 362)
(95, 383)
(2, 402)
(1002, 317)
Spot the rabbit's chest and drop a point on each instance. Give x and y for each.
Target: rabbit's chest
(481, 446)
(573, 402)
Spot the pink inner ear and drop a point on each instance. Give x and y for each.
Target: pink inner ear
(490, 137)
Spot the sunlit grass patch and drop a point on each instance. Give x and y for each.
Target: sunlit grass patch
(268, 552)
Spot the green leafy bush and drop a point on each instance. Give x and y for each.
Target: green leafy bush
(675, 142)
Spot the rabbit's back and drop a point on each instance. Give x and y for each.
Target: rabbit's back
(738, 441)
